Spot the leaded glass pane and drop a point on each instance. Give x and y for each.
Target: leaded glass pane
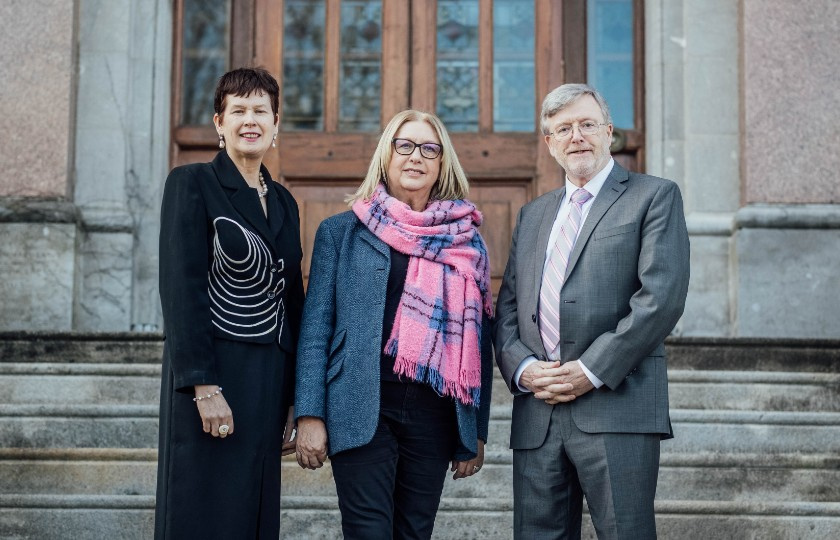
(513, 65)
(457, 64)
(610, 56)
(361, 51)
(303, 64)
(204, 57)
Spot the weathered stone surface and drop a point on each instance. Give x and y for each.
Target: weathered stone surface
(37, 265)
(37, 53)
(78, 347)
(755, 451)
(105, 268)
(707, 307)
(788, 282)
(785, 95)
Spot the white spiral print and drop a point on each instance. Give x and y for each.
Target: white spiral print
(245, 294)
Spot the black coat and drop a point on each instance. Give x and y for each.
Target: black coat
(209, 217)
(232, 295)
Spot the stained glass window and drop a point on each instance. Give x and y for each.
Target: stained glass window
(361, 51)
(610, 56)
(513, 65)
(303, 65)
(457, 64)
(204, 57)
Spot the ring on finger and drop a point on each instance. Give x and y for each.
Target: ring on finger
(223, 429)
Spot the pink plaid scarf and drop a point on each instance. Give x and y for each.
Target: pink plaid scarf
(437, 330)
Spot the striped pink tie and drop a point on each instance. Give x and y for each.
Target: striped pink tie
(555, 272)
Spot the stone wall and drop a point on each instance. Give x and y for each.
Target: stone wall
(741, 100)
(85, 96)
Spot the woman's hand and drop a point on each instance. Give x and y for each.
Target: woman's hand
(311, 439)
(288, 430)
(465, 469)
(214, 410)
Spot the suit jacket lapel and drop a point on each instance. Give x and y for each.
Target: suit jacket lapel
(276, 211)
(546, 224)
(242, 195)
(375, 242)
(610, 192)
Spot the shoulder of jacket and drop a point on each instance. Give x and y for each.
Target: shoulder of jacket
(190, 172)
(340, 221)
(650, 180)
(541, 201)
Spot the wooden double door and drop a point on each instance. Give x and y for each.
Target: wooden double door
(347, 66)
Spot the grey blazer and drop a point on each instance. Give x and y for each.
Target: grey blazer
(625, 289)
(341, 335)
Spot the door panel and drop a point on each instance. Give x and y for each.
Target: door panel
(482, 65)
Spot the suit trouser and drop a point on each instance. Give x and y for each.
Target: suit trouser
(391, 487)
(616, 472)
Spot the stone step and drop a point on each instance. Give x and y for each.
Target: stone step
(78, 347)
(715, 477)
(123, 389)
(139, 384)
(310, 518)
(135, 426)
(79, 471)
(757, 390)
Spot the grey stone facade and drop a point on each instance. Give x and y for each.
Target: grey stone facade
(735, 113)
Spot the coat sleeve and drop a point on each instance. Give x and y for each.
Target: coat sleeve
(294, 310)
(510, 350)
(655, 308)
(184, 264)
(317, 326)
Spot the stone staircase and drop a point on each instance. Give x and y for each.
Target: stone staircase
(756, 453)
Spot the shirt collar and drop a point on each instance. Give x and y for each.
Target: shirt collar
(597, 182)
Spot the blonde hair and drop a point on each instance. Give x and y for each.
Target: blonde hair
(452, 181)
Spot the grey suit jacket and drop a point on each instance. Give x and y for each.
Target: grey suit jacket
(625, 289)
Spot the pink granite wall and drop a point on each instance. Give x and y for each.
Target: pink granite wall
(36, 96)
(791, 101)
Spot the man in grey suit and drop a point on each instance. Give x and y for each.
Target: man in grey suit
(597, 278)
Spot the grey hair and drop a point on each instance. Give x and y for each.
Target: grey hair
(562, 96)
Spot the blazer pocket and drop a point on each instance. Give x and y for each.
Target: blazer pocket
(614, 231)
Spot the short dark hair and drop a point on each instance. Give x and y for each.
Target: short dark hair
(243, 82)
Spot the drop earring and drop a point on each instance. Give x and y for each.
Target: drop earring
(221, 141)
(274, 141)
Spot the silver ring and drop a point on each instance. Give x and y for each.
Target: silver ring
(223, 429)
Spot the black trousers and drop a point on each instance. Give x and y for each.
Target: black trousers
(391, 487)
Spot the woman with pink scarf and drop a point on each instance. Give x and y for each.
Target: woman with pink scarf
(394, 358)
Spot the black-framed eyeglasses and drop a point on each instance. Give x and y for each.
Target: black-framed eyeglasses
(406, 147)
(587, 127)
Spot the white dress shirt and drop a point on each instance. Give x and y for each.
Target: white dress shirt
(593, 187)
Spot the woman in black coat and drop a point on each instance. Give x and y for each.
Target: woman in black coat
(232, 295)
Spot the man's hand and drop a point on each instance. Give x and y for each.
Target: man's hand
(536, 370)
(559, 383)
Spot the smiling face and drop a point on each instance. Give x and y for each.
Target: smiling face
(247, 125)
(412, 177)
(581, 156)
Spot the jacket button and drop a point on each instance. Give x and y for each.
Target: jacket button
(270, 295)
(273, 268)
(534, 317)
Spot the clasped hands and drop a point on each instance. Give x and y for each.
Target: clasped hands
(554, 382)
